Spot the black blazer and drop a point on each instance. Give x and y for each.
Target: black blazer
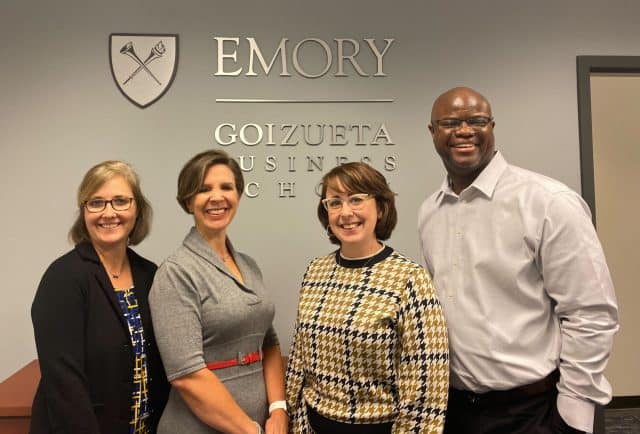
(84, 347)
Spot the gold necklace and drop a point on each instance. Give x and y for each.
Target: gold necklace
(118, 274)
(111, 273)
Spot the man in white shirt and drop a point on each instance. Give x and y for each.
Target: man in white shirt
(523, 281)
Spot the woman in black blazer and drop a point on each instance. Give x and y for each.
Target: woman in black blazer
(101, 372)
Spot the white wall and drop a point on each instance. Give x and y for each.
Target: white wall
(61, 112)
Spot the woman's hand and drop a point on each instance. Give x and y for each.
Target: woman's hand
(273, 371)
(209, 399)
(277, 423)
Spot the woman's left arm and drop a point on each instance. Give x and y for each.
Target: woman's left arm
(278, 420)
(423, 362)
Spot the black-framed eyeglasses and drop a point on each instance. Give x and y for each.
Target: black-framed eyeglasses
(475, 122)
(118, 203)
(355, 201)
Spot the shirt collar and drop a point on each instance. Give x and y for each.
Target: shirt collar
(195, 242)
(485, 182)
(488, 179)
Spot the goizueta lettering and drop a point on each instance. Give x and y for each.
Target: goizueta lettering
(253, 134)
(337, 53)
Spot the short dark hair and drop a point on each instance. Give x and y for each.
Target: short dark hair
(192, 175)
(359, 177)
(93, 180)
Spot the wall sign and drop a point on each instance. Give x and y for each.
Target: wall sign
(143, 66)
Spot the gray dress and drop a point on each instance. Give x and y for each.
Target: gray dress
(202, 314)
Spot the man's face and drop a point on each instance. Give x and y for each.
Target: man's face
(467, 148)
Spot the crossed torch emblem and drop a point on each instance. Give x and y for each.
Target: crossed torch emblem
(156, 52)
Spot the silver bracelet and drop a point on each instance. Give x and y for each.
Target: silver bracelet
(260, 430)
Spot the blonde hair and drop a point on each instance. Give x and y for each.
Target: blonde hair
(93, 180)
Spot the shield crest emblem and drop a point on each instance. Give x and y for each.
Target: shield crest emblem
(143, 65)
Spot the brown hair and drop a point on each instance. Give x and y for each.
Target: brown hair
(192, 174)
(359, 177)
(93, 180)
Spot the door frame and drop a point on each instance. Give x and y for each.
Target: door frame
(587, 65)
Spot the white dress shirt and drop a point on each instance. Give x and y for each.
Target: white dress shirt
(524, 285)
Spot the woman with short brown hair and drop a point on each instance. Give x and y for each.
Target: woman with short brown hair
(370, 351)
(213, 317)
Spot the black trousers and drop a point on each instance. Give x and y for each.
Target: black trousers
(322, 425)
(537, 414)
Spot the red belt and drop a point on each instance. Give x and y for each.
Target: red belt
(241, 359)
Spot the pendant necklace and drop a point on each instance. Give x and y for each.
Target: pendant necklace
(118, 274)
(225, 256)
(113, 274)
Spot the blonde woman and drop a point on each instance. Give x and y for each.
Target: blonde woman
(101, 372)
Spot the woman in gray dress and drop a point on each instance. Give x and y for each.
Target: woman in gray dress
(213, 317)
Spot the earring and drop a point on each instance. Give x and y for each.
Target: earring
(328, 231)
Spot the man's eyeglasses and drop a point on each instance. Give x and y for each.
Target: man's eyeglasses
(355, 201)
(475, 122)
(118, 203)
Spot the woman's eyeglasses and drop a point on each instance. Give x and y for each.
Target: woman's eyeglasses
(355, 201)
(118, 203)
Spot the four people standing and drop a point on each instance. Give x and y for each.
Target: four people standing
(523, 280)
(370, 347)
(515, 260)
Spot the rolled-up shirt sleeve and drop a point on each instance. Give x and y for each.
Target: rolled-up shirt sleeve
(577, 278)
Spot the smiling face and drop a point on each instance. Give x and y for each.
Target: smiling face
(464, 150)
(216, 203)
(109, 228)
(355, 229)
